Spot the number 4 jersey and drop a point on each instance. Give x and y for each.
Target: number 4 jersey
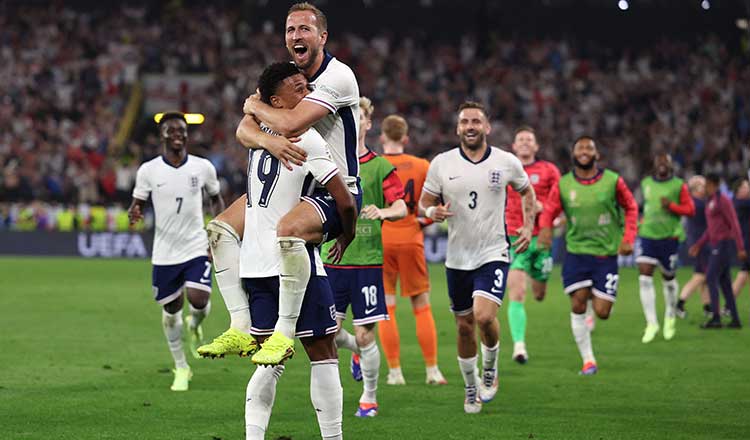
(476, 192)
(272, 191)
(177, 196)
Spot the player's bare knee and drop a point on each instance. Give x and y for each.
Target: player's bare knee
(485, 321)
(174, 306)
(320, 348)
(420, 301)
(578, 307)
(364, 334)
(198, 298)
(646, 269)
(465, 328)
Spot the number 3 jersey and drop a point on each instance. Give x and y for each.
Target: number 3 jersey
(177, 196)
(272, 191)
(476, 192)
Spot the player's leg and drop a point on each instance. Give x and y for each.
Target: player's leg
(668, 264)
(541, 269)
(326, 392)
(516, 312)
(260, 395)
(697, 282)
(168, 286)
(390, 339)
(342, 287)
(713, 275)
(370, 364)
(741, 279)
(197, 276)
(225, 234)
(647, 261)
(577, 277)
(460, 287)
(489, 290)
(726, 251)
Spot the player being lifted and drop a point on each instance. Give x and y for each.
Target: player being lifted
(467, 186)
(535, 263)
(333, 109)
(175, 182)
(665, 200)
(592, 200)
(404, 259)
(273, 191)
(358, 278)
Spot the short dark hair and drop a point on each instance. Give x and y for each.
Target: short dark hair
(272, 77)
(524, 128)
(580, 138)
(172, 115)
(320, 17)
(472, 104)
(714, 178)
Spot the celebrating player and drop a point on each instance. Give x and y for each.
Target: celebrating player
(272, 191)
(665, 199)
(696, 226)
(535, 262)
(175, 182)
(358, 278)
(404, 260)
(466, 186)
(591, 199)
(333, 109)
(724, 235)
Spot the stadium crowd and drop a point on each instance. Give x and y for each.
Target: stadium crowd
(65, 82)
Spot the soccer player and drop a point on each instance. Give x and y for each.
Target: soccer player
(722, 230)
(665, 200)
(404, 259)
(742, 206)
(272, 191)
(467, 186)
(358, 278)
(696, 226)
(534, 264)
(333, 109)
(593, 200)
(175, 181)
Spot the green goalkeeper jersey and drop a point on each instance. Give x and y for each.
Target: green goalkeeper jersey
(658, 223)
(367, 247)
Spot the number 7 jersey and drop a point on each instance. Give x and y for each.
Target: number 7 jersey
(476, 192)
(273, 191)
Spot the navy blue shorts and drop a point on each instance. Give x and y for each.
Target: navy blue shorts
(662, 253)
(168, 281)
(701, 261)
(362, 287)
(598, 273)
(487, 281)
(325, 205)
(317, 316)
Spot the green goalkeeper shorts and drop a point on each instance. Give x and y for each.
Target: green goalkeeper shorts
(535, 262)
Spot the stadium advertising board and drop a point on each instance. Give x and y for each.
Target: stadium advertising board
(77, 244)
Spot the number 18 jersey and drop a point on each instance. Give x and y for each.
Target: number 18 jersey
(476, 192)
(272, 191)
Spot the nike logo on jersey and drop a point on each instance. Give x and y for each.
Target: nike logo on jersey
(159, 185)
(453, 177)
(205, 280)
(368, 311)
(221, 271)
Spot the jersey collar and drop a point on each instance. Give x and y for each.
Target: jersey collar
(327, 57)
(370, 155)
(591, 180)
(178, 166)
(486, 155)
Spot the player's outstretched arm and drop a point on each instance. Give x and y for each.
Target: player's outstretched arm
(135, 211)
(529, 207)
(250, 135)
(288, 122)
(347, 209)
(396, 211)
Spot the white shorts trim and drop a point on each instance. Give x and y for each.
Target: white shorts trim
(603, 295)
(172, 297)
(579, 285)
(466, 312)
(261, 331)
(199, 286)
(655, 262)
(312, 201)
(370, 319)
(341, 315)
(488, 296)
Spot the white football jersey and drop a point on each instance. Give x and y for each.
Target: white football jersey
(177, 196)
(476, 192)
(335, 88)
(272, 191)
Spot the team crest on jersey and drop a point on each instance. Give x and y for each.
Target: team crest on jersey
(572, 196)
(194, 183)
(534, 179)
(496, 180)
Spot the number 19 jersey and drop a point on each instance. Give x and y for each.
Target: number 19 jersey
(476, 192)
(272, 191)
(177, 196)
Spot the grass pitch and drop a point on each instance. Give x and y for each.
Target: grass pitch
(83, 357)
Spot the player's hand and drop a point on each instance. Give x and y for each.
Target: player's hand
(336, 252)
(249, 106)
(539, 207)
(371, 212)
(286, 151)
(694, 250)
(665, 202)
(544, 239)
(524, 239)
(742, 255)
(135, 214)
(625, 248)
(440, 213)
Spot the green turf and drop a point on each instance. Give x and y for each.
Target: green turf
(83, 357)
